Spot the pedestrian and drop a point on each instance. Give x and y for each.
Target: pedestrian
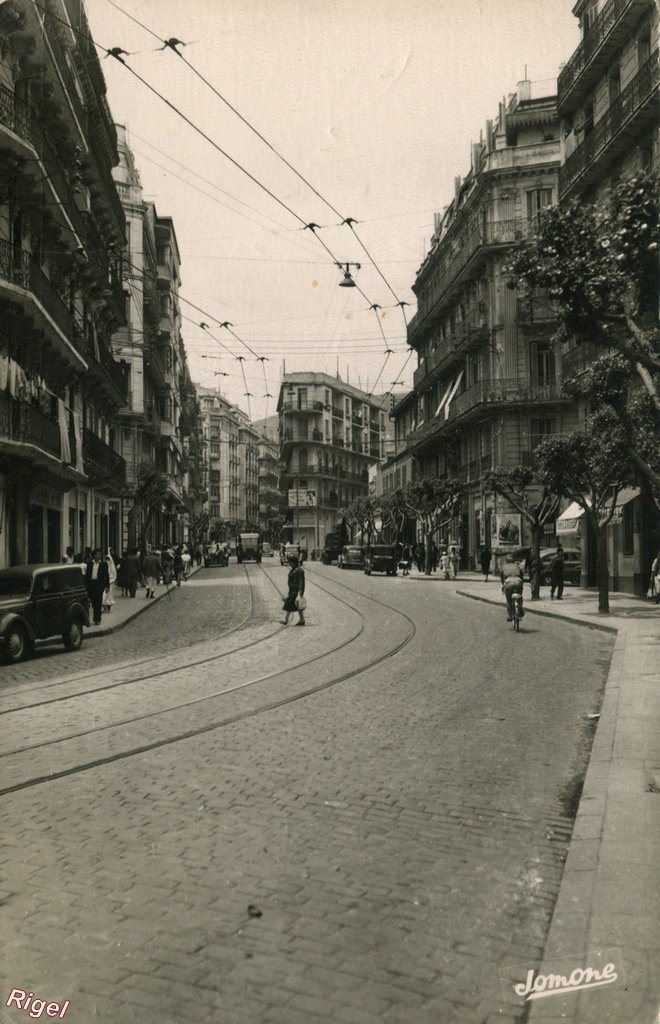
(557, 574)
(109, 596)
(199, 553)
(166, 564)
(152, 568)
(187, 563)
(131, 570)
(454, 561)
(435, 556)
(406, 559)
(96, 581)
(294, 601)
(67, 558)
(485, 559)
(511, 577)
(87, 556)
(418, 556)
(445, 566)
(177, 565)
(654, 586)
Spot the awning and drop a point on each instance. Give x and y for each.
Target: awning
(569, 520)
(624, 497)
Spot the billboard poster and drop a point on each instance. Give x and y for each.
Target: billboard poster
(506, 529)
(302, 498)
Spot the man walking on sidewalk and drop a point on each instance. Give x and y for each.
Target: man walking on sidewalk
(557, 574)
(96, 580)
(152, 570)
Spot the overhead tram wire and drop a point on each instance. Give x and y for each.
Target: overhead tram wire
(118, 53)
(173, 45)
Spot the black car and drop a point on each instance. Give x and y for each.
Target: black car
(380, 558)
(351, 557)
(38, 602)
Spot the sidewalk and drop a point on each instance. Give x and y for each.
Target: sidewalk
(125, 609)
(609, 898)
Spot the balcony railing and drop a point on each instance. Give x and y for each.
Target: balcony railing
(639, 91)
(14, 115)
(463, 335)
(309, 406)
(581, 358)
(102, 464)
(22, 422)
(595, 36)
(18, 267)
(507, 391)
(449, 256)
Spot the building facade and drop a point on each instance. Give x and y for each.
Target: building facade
(330, 435)
(271, 507)
(61, 295)
(607, 98)
(151, 424)
(488, 385)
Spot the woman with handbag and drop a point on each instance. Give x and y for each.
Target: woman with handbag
(295, 601)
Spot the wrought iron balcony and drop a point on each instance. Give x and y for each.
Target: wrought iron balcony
(307, 407)
(26, 424)
(580, 358)
(104, 467)
(493, 393)
(634, 104)
(600, 40)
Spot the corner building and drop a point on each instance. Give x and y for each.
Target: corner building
(488, 385)
(331, 435)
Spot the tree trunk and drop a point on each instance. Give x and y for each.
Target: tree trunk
(535, 568)
(428, 540)
(602, 570)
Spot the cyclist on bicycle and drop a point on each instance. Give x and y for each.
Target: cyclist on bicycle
(512, 583)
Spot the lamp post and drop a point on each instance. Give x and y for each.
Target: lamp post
(348, 281)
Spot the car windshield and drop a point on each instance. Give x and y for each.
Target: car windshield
(14, 586)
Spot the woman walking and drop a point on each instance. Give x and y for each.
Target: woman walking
(294, 601)
(109, 596)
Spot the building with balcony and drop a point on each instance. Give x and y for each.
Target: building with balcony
(607, 98)
(231, 461)
(150, 425)
(331, 435)
(271, 505)
(488, 383)
(61, 235)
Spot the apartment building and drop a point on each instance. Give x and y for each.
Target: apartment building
(488, 384)
(231, 453)
(331, 434)
(268, 479)
(150, 427)
(61, 295)
(607, 99)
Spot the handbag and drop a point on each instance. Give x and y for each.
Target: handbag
(301, 603)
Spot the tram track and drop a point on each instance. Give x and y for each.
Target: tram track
(207, 727)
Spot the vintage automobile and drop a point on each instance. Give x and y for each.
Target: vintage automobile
(572, 565)
(287, 551)
(38, 602)
(266, 550)
(248, 548)
(351, 557)
(380, 558)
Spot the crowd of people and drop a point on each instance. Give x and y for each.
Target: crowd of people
(445, 559)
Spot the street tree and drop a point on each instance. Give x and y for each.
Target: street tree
(520, 487)
(590, 468)
(434, 502)
(365, 514)
(394, 513)
(599, 265)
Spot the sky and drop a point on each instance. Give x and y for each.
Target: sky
(375, 103)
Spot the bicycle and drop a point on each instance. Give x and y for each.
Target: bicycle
(516, 610)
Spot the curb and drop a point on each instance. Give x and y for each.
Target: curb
(548, 615)
(143, 607)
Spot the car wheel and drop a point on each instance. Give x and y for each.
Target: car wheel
(73, 637)
(17, 645)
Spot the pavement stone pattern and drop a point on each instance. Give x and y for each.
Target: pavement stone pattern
(374, 853)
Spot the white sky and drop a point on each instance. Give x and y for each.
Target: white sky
(375, 103)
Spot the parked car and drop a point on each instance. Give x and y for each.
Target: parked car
(380, 558)
(351, 557)
(38, 602)
(289, 550)
(332, 545)
(572, 565)
(266, 550)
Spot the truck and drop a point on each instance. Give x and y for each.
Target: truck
(248, 547)
(332, 546)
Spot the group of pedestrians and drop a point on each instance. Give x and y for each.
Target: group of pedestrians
(444, 559)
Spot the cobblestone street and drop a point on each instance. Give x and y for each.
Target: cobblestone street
(376, 851)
